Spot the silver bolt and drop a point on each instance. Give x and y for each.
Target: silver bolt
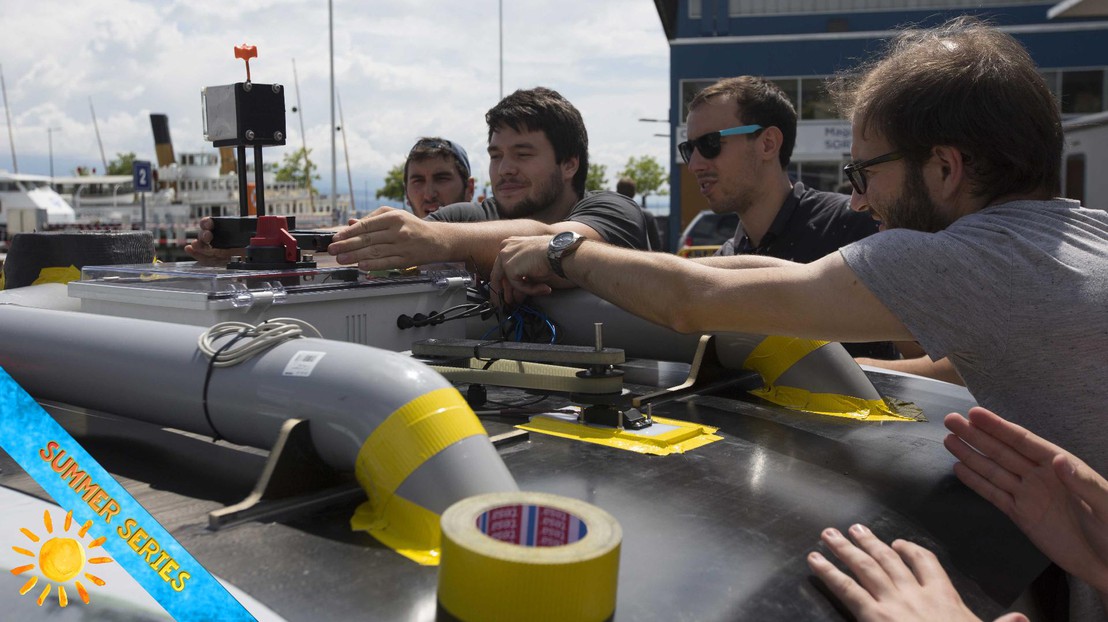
(308, 256)
(247, 86)
(599, 326)
(278, 136)
(276, 88)
(249, 134)
(619, 420)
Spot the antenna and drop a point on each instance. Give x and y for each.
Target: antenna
(96, 127)
(8, 111)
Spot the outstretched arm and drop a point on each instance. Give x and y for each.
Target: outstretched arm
(941, 369)
(821, 300)
(1054, 497)
(391, 238)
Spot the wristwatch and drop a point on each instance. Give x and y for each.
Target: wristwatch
(561, 245)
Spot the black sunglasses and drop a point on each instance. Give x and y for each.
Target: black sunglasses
(855, 171)
(709, 145)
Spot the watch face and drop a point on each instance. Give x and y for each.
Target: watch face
(562, 240)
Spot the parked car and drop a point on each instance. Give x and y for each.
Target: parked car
(706, 232)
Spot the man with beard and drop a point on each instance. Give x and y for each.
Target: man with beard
(538, 152)
(976, 260)
(436, 174)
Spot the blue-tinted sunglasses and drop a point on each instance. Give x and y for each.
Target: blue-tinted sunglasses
(709, 145)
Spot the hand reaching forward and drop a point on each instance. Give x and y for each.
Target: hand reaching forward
(1054, 497)
(388, 238)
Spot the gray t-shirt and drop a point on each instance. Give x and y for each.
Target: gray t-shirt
(616, 218)
(1017, 296)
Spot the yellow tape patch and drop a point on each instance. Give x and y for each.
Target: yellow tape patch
(686, 437)
(775, 355)
(405, 527)
(58, 275)
(406, 439)
(836, 405)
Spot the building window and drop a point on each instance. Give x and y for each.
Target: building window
(791, 88)
(1082, 91)
(689, 89)
(741, 8)
(694, 9)
(1075, 177)
(1052, 78)
(821, 175)
(815, 102)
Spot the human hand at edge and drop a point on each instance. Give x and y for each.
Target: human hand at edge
(201, 248)
(1050, 494)
(902, 582)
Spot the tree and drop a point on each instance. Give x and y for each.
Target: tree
(648, 175)
(597, 179)
(394, 184)
(297, 167)
(123, 164)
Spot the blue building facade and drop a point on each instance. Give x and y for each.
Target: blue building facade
(800, 43)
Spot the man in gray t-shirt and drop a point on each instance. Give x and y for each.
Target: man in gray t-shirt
(975, 259)
(1017, 296)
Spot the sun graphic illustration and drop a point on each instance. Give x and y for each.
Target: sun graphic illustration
(60, 559)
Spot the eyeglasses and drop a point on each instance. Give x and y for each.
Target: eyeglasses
(855, 171)
(709, 145)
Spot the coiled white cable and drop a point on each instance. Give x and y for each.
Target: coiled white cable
(255, 339)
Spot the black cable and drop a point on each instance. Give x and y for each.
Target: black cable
(216, 436)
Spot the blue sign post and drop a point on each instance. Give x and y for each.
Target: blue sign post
(143, 182)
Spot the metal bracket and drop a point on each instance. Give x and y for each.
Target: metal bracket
(706, 375)
(294, 479)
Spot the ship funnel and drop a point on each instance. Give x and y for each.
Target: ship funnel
(226, 160)
(163, 145)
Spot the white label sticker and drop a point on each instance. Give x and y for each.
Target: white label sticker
(302, 363)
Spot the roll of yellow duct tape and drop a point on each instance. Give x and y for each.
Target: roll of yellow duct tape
(528, 556)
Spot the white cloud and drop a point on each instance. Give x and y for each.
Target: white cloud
(403, 70)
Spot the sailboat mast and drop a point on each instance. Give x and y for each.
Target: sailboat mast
(346, 154)
(96, 126)
(334, 173)
(8, 112)
(303, 137)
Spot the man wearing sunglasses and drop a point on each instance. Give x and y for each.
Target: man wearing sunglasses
(744, 131)
(538, 153)
(436, 173)
(957, 143)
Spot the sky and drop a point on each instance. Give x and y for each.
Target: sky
(402, 70)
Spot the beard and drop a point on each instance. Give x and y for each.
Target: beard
(914, 209)
(542, 197)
